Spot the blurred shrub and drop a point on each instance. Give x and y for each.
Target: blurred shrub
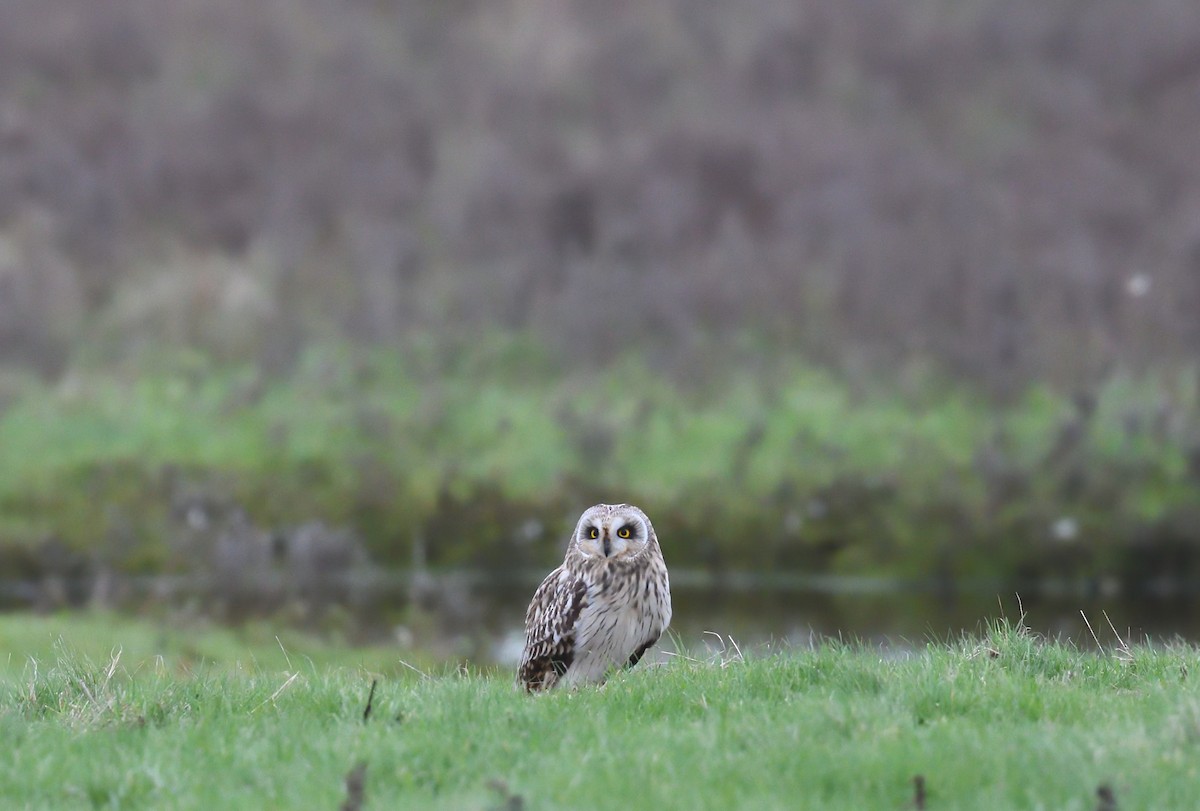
(353, 458)
(1008, 187)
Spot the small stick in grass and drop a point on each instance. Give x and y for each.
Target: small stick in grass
(919, 792)
(370, 700)
(509, 800)
(355, 787)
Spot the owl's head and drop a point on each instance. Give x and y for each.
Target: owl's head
(614, 531)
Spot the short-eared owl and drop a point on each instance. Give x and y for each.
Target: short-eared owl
(604, 607)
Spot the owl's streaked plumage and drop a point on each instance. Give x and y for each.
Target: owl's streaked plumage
(603, 608)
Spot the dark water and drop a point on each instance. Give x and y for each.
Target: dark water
(893, 614)
(916, 617)
(486, 610)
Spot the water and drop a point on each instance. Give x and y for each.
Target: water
(768, 614)
(484, 611)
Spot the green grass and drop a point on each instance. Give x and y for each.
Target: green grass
(143, 643)
(1004, 721)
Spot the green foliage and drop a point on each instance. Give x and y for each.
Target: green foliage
(756, 469)
(1004, 720)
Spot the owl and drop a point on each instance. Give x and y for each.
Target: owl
(603, 608)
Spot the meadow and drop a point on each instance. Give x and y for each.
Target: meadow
(106, 713)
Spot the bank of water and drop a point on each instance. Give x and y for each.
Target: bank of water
(478, 615)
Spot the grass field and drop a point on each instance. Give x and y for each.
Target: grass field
(1002, 721)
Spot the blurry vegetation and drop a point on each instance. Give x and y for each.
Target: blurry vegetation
(475, 462)
(843, 286)
(1010, 190)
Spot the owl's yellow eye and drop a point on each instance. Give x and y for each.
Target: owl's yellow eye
(624, 532)
(593, 533)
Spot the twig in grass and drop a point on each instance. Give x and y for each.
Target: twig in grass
(355, 787)
(682, 656)
(1022, 629)
(108, 674)
(679, 652)
(918, 801)
(284, 686)
(278, 692)
(1106, 800)
(416, 670)
(729, 652)
(509, 800)
(1091, 631)
(370, 699)
(1124, 652)
(112, 665)
(1021, 626)
(719, 657)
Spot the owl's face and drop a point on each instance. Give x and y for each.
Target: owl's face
(614, 531)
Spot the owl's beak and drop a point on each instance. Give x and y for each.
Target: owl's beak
(607, 546)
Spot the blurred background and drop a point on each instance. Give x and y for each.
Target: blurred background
(336, 313)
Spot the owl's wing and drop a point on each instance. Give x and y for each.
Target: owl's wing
(550, 629)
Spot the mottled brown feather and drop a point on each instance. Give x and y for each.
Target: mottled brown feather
(550, 630)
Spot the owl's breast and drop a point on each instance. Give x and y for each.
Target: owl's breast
(623, 613)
